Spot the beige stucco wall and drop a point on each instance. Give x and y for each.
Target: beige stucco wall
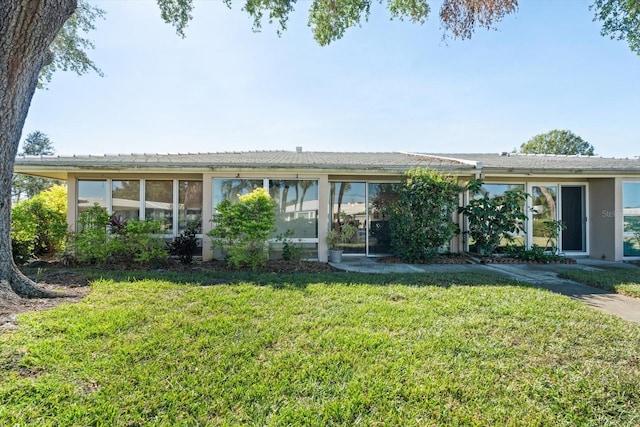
(601, 219)
(323, 218)
(207, 213)
(604, 197)
(618, 220)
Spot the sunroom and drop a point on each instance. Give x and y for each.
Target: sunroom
(597, 199)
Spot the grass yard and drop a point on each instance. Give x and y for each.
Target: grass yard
(332, 349)
(624, 281)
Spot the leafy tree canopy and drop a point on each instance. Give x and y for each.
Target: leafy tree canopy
(620, 20)
(37, 144)
(329, 19)
(69, 50)
(24, 186)
(557, 142)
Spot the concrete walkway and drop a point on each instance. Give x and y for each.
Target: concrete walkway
(541, 275)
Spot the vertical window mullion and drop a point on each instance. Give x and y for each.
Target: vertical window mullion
(143, 185)
(175, 206)
(367, 221)
(109, 191)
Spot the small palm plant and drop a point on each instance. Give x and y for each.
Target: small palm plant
(337, 237)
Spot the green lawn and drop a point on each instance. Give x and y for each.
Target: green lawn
(624, 281)
(339, 349)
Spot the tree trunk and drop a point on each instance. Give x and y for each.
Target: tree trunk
(27, 29)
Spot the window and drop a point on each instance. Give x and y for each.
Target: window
(190, 205)
(230, 189)
(544, 201)
(125, 199)
(158, 203)
(296, 204)
(347, 204)
(493, 190)
(91, 193)
(296, 207)
(499, 189)
(631, 216)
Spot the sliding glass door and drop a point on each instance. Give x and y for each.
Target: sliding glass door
(347, 205)
(574, 218)
(544, 210)
(559, 202)
(380, 196)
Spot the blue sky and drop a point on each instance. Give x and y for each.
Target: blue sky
(388, 86)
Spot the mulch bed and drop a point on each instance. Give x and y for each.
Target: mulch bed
(506, 260)
(471, 259)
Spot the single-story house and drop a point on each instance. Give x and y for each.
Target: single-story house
(598, 199)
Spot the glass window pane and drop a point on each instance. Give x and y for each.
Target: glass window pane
(305, 250)
(91, 193)
(631, 217)
(230, 189)
(190, 205)
(499, 189)
(296, 207)
(158, 203)
(125, 199)
(380, 197)
(544, 208)
(347, 204)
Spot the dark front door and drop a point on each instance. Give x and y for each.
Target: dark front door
(573, 215)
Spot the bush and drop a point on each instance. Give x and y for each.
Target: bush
(421, 219)
(103, 239)
(290, 250)
(89, 245)
(492, 219)
(536, 253)
(185, 244)
(242, 228)
(39, 224)
(138, 241)
(21, 251)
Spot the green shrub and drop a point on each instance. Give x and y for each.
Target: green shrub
(21, 250)
(39, 224)
(341, 233)
(536, 253)
(421, 219)
(635, 228)
(492, 219)
(138, 241)
(185, 244)
(242, 228)
(290, 250)
(90, 244)
(103, 239)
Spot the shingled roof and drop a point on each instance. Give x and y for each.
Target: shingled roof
(250, 159)
(549, 162)
(333, 161)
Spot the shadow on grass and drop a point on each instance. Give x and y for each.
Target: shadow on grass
(625, 281)
(301, 280)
